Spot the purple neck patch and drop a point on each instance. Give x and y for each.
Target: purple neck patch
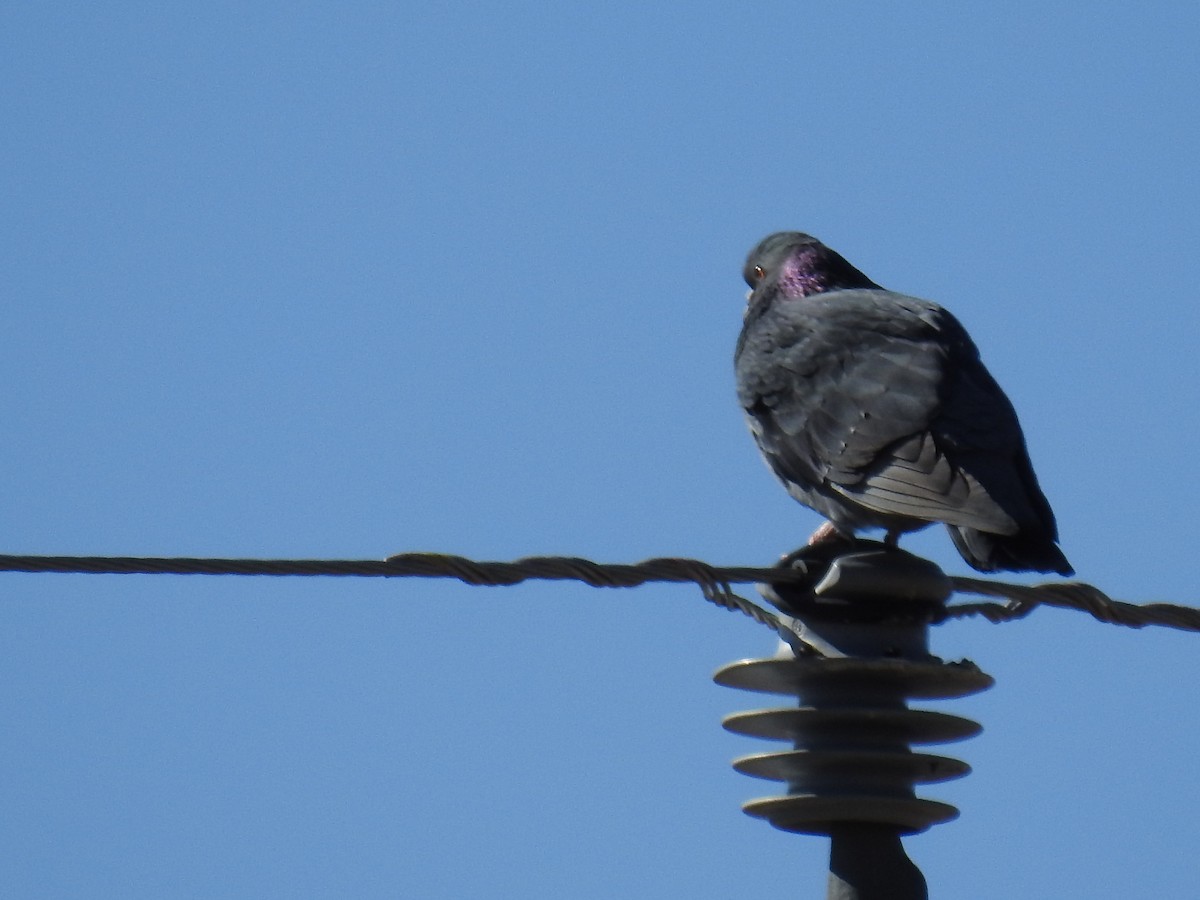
(802, 274)
(815, 269)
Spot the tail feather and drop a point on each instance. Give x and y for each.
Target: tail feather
(1020, 552)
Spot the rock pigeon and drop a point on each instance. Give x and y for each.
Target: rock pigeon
(875, 410)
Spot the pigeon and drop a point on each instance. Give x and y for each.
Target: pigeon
(874, 409)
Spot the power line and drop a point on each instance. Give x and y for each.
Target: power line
(714, 581)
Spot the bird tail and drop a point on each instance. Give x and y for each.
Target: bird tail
(1020, 552)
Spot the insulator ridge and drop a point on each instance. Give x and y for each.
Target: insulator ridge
(860, 654)
(851, 736)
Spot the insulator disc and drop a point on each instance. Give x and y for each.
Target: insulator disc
(851, 727)
(817, 815)
(808, 771)
(860, 679)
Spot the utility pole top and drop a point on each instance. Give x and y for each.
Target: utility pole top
(861, 651)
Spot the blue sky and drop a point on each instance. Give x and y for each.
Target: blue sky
(345, 280)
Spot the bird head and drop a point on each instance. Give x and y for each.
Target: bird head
(792, 264)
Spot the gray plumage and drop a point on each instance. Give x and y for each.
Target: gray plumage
(875, 410)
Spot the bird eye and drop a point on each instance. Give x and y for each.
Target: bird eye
(759, 273)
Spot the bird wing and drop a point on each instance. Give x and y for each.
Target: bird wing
(847, 392)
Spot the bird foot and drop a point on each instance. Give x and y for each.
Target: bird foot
(826, 533)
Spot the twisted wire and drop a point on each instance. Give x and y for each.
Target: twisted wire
(714, 581)
(1076, 595)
